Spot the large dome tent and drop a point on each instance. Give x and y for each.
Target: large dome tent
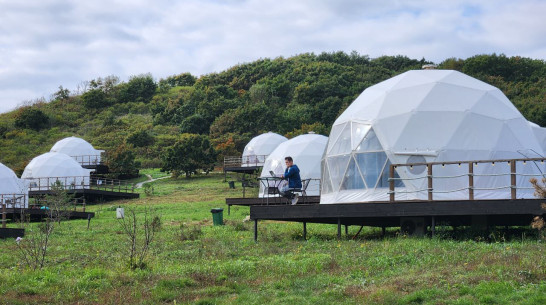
(79, 149)
(50, 167)
(259, 147)
(426, 116)
(306, 150)
(13, 191)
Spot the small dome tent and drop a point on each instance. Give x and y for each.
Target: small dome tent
(426, 116)
(257, 150)
(13, 191)
(79, 149)
(50, 167)
(307, 151)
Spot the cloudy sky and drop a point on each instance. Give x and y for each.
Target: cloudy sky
(48, 43)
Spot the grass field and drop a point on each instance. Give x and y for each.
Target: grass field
(191, 261)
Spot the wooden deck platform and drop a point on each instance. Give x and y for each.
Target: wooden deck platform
(41, 213)
(242, 169)
(509, 212)
(91, 195)
(268, 201)
(11, 232)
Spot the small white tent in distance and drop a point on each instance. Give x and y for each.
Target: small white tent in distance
(13, 191)
(306, 150)
(79, 149)
(427, 116)
(257, 150)
(48, 168)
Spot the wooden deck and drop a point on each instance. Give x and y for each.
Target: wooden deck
(509, 212)
(269, 201)
(91, 195)
(41, 213)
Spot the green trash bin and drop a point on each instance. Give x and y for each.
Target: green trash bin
(217, 216)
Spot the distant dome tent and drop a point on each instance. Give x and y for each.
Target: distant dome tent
(427, 116)
(257, 150)
(46, 169)
(13, 191)
(79, 149)
(306, 150)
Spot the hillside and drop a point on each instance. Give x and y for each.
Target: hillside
(286, 95)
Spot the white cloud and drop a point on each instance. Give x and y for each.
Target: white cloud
(47, 43)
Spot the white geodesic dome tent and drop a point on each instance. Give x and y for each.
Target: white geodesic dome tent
(13, 191)
(79, 149)
(306, 150)
(427, 116)
(257, 150)
(46, 169)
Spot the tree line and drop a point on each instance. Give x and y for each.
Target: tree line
(152, 123)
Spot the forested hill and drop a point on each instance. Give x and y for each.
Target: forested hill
(285, 95)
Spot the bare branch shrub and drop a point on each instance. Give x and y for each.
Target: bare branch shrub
(140, 232)
(540, 192)
(59, 202)
(33, 247)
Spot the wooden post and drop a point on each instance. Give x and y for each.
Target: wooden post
(88, 221)
(346, 230)
(391, 183)
(513, 179)
(305, 230)
(256, 230)
(429, 178)
(382, 231)
(3, 214)
(470, 181)
(339, 228)
(433, 224)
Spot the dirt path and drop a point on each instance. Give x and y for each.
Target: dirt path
(139, 185)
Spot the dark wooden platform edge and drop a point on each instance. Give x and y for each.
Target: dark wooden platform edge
(271, 201)
(11, 232)
(40, 213)
(518, 212)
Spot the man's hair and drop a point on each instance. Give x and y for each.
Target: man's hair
(288, 159)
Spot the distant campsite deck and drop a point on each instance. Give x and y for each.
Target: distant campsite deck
(92, 189)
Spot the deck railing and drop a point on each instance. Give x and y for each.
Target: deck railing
(509, 168)
(89, 159)
(81, 182)
(241, 161)
(15, 200)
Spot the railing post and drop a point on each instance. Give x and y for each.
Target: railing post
(3, 214)
(470, 181)
(391, 183)
(513, 180)
(429, 178)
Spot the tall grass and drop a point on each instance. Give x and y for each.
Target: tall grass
(192, 261)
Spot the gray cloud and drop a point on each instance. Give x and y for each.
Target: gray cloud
(47, 43)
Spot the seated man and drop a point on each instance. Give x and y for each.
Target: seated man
(292, 174)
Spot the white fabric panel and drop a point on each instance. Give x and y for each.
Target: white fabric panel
(334, 134)
(358, 133)
(343, 143)
(336, 167)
